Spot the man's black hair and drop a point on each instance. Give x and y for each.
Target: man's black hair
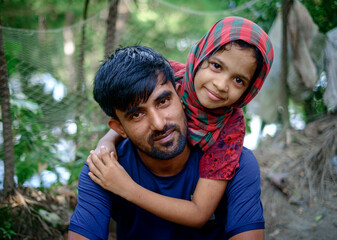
(128, 76)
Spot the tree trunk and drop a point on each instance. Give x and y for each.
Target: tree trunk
(42, 28)
(9, 184)
(69, 50)
(81, 90)
(284, 91)
(81, 86)
(110, 40)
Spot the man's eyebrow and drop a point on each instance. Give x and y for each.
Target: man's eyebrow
(164, 94)
(128, 112)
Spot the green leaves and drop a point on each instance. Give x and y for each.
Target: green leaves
(6, 232)
(34, 143)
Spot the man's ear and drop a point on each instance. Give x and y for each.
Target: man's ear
(117, 126)
(178, 89)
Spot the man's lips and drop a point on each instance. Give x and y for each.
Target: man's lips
(164, 137)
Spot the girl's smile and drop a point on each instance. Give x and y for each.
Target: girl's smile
(223, 78)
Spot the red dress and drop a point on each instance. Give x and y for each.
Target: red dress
(222, 159)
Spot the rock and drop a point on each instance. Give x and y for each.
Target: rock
(50, 217)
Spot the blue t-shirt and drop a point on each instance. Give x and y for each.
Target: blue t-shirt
(239, 210)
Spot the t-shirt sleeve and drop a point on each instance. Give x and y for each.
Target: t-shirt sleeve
(244, 207)
(222, 159)
(92, 213)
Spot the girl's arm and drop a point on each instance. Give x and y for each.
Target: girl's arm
(109, 141)
(109, 174)
(195, 213)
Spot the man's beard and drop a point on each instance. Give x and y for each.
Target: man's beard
(165, 155)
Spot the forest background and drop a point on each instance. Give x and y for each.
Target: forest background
(50, 53)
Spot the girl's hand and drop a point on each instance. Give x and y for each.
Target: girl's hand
(108, 173)
(110, 140)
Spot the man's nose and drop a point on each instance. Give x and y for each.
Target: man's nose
(158, 121)
(222, 83)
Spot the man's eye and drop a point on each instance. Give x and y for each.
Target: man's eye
(136, 116)
(163, 101)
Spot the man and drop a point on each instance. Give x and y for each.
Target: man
(135, 87)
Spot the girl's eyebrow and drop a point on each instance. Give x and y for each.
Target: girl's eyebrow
(214, 57)
(218, 60)
(244, 78)
(240, 75)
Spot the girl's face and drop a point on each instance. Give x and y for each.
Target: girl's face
(224, 77)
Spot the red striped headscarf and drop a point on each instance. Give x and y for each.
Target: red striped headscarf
(205, 124)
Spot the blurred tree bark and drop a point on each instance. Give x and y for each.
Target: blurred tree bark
(110, 40)
(9, 184)
(81, 88)
(69, 46)
(284, 91)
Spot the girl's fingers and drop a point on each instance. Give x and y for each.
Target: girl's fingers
(95, 164)
(107, 157)
(91, 165)
(94, 178)
(113, 156)
(97, 160)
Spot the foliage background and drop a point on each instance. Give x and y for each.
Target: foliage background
(55, 124)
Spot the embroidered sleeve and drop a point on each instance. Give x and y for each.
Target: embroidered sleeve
(222, 159)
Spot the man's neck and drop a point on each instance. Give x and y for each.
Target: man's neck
(166, 168)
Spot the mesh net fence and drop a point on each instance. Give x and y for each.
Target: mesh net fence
(55, 119)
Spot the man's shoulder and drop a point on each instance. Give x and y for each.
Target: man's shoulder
(127, 154)
(196, 152)
(125, 148)
(247, 157)
(249, 169)
(245, 211)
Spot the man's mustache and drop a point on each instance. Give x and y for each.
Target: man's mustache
(163, 132)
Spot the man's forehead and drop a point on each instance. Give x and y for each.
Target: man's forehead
(160, 91)
(161, 85)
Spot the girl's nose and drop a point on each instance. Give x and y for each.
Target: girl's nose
(222, 84)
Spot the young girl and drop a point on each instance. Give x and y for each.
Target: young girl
(224, 71)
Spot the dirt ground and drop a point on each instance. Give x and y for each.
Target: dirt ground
(299, 191)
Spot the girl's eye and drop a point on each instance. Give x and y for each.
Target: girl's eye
(216, 65)
(238, 81)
